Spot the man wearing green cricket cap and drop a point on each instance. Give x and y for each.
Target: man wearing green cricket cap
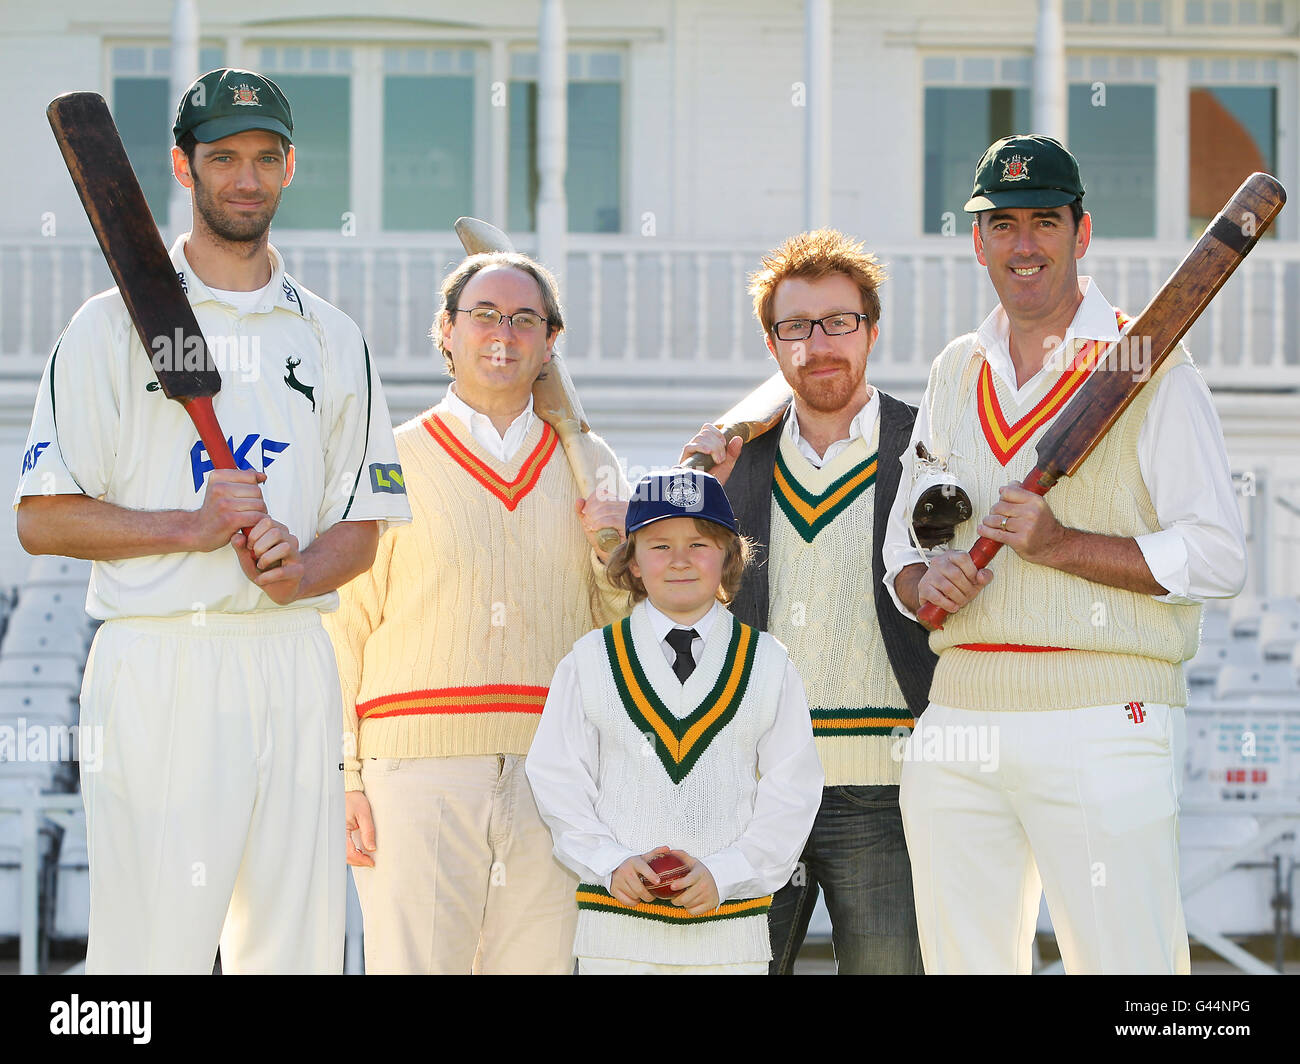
(1061, 665)
(215, 814)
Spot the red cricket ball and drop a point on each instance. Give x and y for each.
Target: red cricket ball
(668, 867)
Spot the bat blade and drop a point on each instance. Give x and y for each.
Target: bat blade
(478, 236)
(132, 246)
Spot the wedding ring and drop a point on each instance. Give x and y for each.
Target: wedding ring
(1004, 522)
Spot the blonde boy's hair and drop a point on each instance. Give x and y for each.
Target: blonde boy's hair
(739, 551)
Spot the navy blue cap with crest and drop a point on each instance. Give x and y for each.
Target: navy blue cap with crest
(678, 493)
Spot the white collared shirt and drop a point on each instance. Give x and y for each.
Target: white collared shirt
(502, 447)
(1199, 551)
(662, 624)
(862, 425)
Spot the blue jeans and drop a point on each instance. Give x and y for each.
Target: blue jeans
(857, 854)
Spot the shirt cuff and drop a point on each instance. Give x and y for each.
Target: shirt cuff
(889, 579)
(729, 868)
(1165, 553)
(609, 858)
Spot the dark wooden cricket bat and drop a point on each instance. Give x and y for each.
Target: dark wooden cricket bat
(145, 276)
(1110, 387)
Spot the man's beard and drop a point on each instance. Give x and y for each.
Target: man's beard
(241, 228)
(826, 395)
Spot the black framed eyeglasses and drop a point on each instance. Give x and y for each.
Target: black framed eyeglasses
(832, 325)
(522, 321)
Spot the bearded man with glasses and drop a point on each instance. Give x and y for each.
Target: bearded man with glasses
(446, 649)
(814, 494)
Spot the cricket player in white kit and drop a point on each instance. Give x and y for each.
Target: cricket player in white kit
(215, 814)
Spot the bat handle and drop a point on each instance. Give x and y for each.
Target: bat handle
(984, 550)
(699, 460)
(214, 440)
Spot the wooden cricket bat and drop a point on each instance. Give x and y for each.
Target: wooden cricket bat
(145, 276)
(555, 399)
(1109, 388)
(759, 411)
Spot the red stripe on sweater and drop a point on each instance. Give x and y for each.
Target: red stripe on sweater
(510, 492)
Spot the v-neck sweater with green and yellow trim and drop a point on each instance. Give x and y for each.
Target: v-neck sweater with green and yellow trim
(447, 645)
(823, 610)
(678, 761)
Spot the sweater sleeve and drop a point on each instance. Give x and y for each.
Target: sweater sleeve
(361, 608)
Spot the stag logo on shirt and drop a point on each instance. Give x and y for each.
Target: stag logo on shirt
(33, 455)
(269, 449)
(293, 382)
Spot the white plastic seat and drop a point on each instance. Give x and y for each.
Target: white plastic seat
(50, 569)
(1211, 658)
(40, 672)
(1250, 681)
(1248, 611)
(49, 621)
(1278, 635)
(46, 705)
(72, 892)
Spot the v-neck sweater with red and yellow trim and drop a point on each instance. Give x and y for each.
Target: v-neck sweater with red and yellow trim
(447, 645)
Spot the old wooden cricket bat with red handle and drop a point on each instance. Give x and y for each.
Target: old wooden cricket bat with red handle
(1108, 391)
(145, 276)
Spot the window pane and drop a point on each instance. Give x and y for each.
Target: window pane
(522, 190)
(592, 176)
(959, 125)
(144, 119)
(1233, 134)
(1116, 148)
(428, 151)
(322, 127)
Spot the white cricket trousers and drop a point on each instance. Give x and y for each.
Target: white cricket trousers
(465, 877)
(1079, 804)
(217, 811)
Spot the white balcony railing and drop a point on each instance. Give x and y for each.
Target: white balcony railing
(645, 309)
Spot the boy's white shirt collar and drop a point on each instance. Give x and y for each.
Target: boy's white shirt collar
(1094, 320)
(864, 421)
(502, 446)
(662, 624)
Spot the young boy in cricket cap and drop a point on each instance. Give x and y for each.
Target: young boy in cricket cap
(677, 731)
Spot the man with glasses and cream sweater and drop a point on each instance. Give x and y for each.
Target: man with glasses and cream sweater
(447, 646)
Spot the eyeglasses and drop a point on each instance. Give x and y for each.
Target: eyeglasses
(522, 321)
(832, 325)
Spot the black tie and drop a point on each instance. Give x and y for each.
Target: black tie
(680, 640)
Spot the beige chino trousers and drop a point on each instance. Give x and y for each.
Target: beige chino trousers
(465, 880)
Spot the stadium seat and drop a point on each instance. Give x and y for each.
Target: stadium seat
(1278, 635)
(40, 672)
(63, 572)
(46, 705)
(1254, 681)
(1247, 612)
(72, 887)
(49, 622)
(1212, 657)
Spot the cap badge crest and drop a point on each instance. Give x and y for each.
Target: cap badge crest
(684, 494)
(246, 96)
(1015, 169)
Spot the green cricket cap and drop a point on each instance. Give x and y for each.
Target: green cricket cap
(1025, 170)
(224, 102)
